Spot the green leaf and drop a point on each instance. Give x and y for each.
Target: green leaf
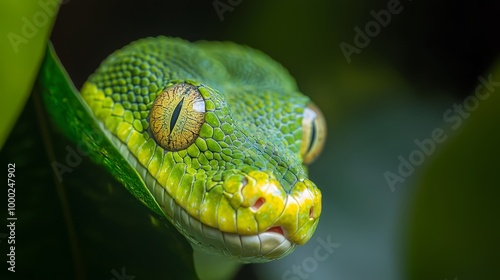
(76, 221)
(25, 27)
(72, 115)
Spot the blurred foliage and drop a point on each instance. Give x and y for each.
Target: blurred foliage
(24, 27)
(453, 228)
(438, 224)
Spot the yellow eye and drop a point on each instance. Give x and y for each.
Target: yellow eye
(313, 133)
(176, 117)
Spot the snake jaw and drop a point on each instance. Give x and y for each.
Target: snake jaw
(258, 221)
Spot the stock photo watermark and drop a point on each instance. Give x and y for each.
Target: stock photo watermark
(310, 264)
(30, 25)
(222, 6)
(362, 37)
(11, 218)
(121, 276)
(427, 146)
(74, 157)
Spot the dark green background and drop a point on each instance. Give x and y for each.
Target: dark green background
(440, 223)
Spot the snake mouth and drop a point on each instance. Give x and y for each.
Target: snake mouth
(276, 229)
(269, 244)
(262, 247)
(275, 221)
(261, 201)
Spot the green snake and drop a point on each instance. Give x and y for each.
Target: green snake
(220, 135)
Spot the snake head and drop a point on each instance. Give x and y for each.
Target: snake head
(220, 136)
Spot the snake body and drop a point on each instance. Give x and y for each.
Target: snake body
(220, 135)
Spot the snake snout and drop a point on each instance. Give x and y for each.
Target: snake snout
(302, 210)
(266, 206)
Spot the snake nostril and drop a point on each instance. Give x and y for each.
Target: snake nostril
(258, 204)
(244, 183)
(311, 213)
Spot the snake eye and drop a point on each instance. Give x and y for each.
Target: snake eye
(176, 117)
(314, 133)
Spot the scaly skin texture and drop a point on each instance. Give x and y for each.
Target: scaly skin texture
(243, 175)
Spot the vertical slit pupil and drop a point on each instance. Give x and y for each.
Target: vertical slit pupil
(175, 115)
(313, 136)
